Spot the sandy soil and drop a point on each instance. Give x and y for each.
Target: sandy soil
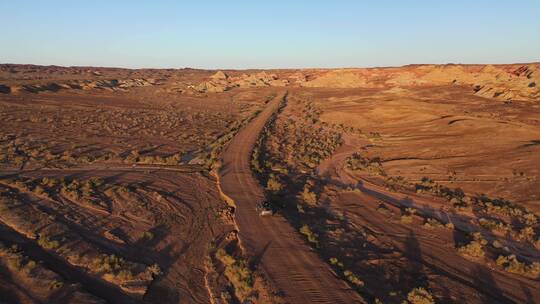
(449, 135)
(413, 184)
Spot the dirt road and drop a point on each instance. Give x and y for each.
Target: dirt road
(289, 263)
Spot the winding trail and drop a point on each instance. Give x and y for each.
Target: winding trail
(291, 266)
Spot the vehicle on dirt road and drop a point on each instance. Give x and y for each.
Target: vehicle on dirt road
(265, 208)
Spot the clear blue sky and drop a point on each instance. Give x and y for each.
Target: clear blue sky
(268, 34)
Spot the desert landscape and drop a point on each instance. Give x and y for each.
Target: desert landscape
(413, 184)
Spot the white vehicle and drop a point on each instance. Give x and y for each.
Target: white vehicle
(265, 208)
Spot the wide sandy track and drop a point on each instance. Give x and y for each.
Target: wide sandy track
(291, 266)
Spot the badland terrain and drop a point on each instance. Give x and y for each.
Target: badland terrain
(413, 184)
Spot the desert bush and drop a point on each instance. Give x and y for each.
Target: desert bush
(496, 244)
(488, 205)
(311, 236)
(492, 224)
(502, 206)
(374, 136)
(49, 182)
(530, 219)
(351, 277)
(455, 196)
(255, 165)
(56, 284)
(48, 243)
(512, 264)
(72, 194)
(113, 268)
(238, 274)
(526, 234)
(358, 162)
(96, 182)
(154, 270)
(304, 142)
(432, 223)
(30, 270)
(336, 262)
(147, 236)
(407, 215)
(110, 264)
(474, 249)
(406, 218)
(29, 267)
(40, 191)
(174, 159)
(420, 295)
(274, 184)
(88, 189)
(125, 275)
(382, 208)
(14, 259)
(394, 183)
(308, 196)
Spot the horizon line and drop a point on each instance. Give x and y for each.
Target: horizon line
(268, 69)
